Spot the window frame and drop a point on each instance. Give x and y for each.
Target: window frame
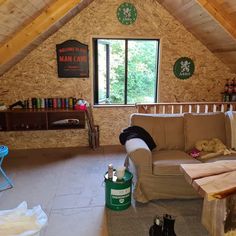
(95, 69)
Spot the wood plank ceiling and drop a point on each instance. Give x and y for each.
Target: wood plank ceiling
(25, 24)
(213, 22)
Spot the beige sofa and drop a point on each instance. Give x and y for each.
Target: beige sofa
(158, 173)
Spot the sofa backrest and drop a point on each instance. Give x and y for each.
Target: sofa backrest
(182, 131)
(166, 130)
(203, 126)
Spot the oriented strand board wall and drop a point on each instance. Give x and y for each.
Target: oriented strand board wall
(36, 75)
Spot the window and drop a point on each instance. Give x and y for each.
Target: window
(125, 71)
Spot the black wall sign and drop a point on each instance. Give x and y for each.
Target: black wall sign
(72, 59)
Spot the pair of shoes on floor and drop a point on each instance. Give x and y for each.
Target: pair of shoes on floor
(163, 226)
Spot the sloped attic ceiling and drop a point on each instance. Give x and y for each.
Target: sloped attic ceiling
(24, 24)
(213, 22)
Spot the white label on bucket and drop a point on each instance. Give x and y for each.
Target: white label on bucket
(120, 192)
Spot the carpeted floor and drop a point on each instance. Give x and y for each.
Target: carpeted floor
(137, 220)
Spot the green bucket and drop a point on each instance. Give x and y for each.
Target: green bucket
(118, 192)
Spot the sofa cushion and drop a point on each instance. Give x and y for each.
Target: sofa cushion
(167, 130)
(199, 126)
(167, 162)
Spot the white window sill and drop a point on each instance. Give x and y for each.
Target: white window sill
(113, 106)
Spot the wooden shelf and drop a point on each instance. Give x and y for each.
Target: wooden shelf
(41, 119)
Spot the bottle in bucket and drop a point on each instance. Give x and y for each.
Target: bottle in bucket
(110, 171)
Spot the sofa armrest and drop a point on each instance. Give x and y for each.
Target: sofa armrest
(140, 154)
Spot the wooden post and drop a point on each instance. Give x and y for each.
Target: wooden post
(93, 130)
(219, 216)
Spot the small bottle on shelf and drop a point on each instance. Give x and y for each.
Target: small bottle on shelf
(30, 103)
(42, 104)
(71, 102)
(38, 104)
(233, 96)
(231, 87)
(234, 86)
(67, 103)
(226, 89)
(50, 103)
(54, 103)
(59, 103)
(46, 103)
(34, 103)
(62, 103)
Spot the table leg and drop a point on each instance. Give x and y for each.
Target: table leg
(219, 216)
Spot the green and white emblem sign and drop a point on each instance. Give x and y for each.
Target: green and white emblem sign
(126, 13)
(184, 68)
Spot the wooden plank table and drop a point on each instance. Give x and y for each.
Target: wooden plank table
(216, 182)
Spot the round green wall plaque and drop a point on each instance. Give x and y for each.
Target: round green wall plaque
(184, 68)
(126, 13)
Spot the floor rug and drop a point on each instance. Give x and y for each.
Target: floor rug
(137, 219)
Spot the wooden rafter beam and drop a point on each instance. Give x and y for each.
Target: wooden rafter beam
(38, 26)
(2, 1)
(217, 13)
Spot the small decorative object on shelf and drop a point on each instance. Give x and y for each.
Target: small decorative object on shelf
(2, 106)
(80, 104)
(229, 94)
(18, 104)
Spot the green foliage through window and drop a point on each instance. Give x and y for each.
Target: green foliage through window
(126, 71)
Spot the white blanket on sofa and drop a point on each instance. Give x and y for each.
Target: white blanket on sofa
(232, 118)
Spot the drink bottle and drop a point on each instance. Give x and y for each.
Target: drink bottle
(156, 228)
(226, 86)
(110, 171)
(168, 226)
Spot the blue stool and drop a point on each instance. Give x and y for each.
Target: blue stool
(7, 184)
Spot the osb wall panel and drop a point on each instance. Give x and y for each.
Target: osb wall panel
(36, 74)
(44, 139)
(111, 122)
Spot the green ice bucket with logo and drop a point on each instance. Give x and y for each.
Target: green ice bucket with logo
(118, 192)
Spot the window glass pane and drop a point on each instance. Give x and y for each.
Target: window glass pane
(102, 74)
(111, 71)
(142, 71)
(142, 59)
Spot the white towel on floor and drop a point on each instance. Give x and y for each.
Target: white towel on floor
(22, 221)
(232, 118)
